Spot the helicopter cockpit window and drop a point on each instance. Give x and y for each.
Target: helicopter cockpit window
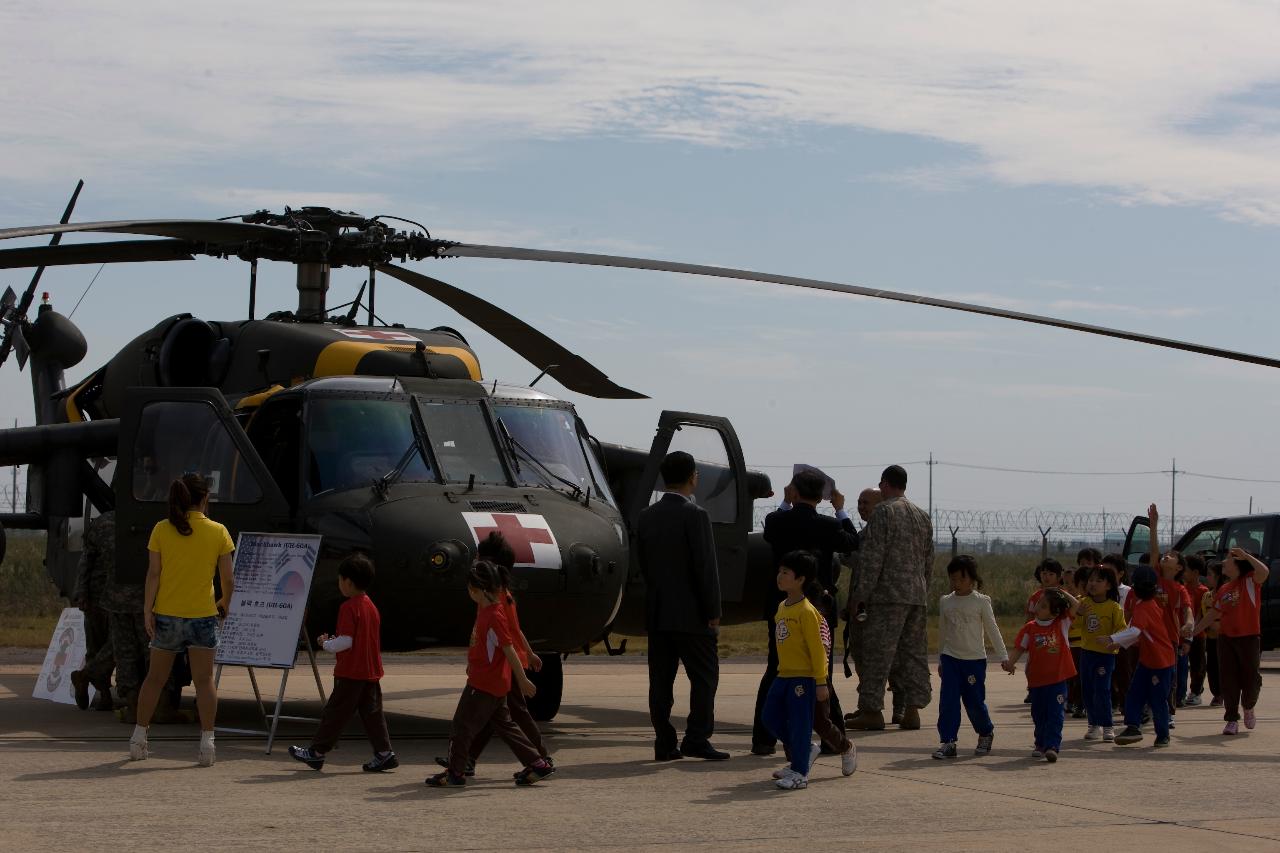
(551, 437)
(353, 442)
(461, 441)
(178, 437)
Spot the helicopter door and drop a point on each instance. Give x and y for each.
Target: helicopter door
(1137, 541)
(722, 487)
(167, 432)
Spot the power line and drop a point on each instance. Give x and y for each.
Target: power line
(1231, 479)
(1055, 473)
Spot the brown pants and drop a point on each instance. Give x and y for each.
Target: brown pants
(351, 697)
(1239, 659)
(518, 708)
(476, 711)
(1196, 661)
(828, 732)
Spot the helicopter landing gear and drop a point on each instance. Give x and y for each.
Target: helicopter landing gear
(550, 684)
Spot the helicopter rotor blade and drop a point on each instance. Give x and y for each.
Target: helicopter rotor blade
(196, 230)
(116, 252)
(463, 250)
(571, 371)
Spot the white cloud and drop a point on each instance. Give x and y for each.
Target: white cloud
(1152, 104)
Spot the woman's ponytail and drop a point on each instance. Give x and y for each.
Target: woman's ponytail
(186, 493)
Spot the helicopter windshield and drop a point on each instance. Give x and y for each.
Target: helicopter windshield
(352, 443)
(551, 436)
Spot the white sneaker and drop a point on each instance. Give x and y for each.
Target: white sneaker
(814, 751)
(1035, 753)
(1093, 733)
(849, 760)
(138, 750)
(1108, 734)
(794, 782)
(783, 772)
(206, 756)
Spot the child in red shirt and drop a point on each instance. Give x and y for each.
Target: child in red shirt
(1049, 667)
(1148, 627)
(491, 664)
(1237, 612)
(356, 673)
(496, 550)
(1173, 597)
(1049, 575)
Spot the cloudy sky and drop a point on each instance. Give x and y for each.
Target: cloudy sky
(1111, 163)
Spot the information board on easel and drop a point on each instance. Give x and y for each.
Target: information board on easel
(265, 625)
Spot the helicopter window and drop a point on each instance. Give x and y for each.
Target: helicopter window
(551, 436)
(276, 433)
(177, 437)
(717, 490)
(462, 442)
(353, 442)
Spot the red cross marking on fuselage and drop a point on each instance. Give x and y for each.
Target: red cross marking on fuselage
(380, 335)
(519, 537)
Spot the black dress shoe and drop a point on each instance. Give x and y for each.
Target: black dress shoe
(667, 755)
(763, 750)
(709, 752)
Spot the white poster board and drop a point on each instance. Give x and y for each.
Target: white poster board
(65, 655)
(828, 487)
(272, 574)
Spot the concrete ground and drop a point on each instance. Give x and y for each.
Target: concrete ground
(65, 783)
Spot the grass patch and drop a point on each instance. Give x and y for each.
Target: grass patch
(29, 602)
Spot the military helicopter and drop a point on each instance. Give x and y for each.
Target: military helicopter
(382, 438)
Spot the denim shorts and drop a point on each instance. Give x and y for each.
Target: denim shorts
(177, 634)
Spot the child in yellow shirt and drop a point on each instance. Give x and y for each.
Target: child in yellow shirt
(802, 667)
(1099, 617)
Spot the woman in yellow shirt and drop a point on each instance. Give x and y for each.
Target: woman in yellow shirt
(179, 609)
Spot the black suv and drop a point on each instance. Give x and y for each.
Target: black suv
(1257, 534)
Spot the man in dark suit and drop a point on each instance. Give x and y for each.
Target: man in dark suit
(682, 610)
(796, 525)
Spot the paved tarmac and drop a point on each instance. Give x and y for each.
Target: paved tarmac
(65, 782)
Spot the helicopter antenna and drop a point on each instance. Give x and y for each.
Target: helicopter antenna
(86, 291)
(542, 374)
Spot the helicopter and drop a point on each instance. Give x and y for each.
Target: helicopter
(381, 438)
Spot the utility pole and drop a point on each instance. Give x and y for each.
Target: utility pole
(1173, 501)
(1250, 504)
(1104, 529)
(931, 523)
(13, 495)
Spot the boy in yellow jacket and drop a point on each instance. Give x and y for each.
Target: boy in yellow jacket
(802, 667)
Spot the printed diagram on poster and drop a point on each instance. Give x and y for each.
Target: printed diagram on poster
(65, 655)
(272, 580)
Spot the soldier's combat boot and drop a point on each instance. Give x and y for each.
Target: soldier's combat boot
(910, 719)
(102, 701)
(80, 683)
(867, 721)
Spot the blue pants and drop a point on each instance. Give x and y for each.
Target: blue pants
(1184, 677)
(1096, 669)
(788, 715)
(1149, 687)
(1047, 705)
(963, 681)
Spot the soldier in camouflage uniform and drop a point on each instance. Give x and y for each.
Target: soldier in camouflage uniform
(894, 570)
(95, 595)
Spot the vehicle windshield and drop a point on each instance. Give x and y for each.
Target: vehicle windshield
(462, 441)
(552, 437)
(352, 443)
